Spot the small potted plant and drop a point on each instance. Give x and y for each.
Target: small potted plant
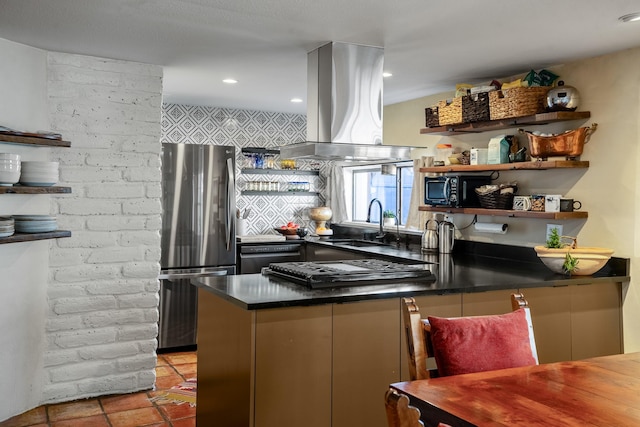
(570, 259)
(389, 217)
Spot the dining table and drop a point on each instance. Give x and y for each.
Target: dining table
(600, 391)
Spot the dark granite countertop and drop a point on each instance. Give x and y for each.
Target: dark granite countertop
(473, 267)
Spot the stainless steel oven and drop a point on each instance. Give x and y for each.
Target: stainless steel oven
(252, 257)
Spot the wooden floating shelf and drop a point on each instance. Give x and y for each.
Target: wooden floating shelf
(508, 213)
(32, 140)
(23, 189)
(537, 119)
(278, 193)
(29, 237)
(280, 172)
(534, 165)
(259, 150)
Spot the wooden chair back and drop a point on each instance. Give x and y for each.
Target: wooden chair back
(419, 347)
(399, 412)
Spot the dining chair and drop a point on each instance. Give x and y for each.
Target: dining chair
(439, 346)
(400, 413)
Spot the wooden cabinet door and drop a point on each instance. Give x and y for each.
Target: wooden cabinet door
(293, 367)
(366, 359)
(596, 320)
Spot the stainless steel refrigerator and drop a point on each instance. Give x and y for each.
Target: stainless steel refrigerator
(198, 233)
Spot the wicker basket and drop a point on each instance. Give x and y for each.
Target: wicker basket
(475, 108)
(431, 114)
(450, 113)
(496, 199)
(517, 102)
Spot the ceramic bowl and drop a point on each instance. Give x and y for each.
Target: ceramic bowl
(590, 259)
(9, 177)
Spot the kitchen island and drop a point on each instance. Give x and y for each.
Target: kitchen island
(275, 353)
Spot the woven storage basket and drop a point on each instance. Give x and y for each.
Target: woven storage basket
(517, 102)
(450, 113)
(496, 199)
(475, 108)
(431, 114)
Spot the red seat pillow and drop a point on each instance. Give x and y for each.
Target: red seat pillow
(481, 343)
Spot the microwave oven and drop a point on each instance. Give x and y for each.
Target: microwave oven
(456, 191)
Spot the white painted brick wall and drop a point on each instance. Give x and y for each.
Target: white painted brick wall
(103, 294)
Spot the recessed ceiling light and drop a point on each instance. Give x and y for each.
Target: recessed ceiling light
(297, 100)
(230, 81)
(386, 74)
(630, 17)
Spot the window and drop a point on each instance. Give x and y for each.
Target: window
(393, 191)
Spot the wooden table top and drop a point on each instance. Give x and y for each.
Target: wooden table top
(603, 391)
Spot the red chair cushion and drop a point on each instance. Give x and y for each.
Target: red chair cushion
(481, 343)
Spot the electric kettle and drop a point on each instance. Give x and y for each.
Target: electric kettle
(446, 234)
(430, 237)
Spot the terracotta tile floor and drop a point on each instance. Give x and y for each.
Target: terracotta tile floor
(125, 410)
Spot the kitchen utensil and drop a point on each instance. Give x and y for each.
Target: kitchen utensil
(246, 213)
(302, 231)
(430, 237)
(563, 98)
(446, 237)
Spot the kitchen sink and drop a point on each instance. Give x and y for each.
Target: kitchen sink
(358, 243)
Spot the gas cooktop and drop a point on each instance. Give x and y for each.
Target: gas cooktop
(327, 274)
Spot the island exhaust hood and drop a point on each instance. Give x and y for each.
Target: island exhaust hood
(344, 107)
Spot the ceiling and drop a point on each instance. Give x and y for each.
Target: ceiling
(429, 45)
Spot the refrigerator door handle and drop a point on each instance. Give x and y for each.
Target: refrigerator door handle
(231, 190)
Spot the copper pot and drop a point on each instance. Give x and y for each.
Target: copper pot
(569, 144)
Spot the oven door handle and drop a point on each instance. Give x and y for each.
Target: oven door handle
(178, 275)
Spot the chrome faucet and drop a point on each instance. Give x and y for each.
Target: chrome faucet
(380, 235)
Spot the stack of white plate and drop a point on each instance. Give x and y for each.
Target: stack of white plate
(9, 169)
(41, 174)
(6, 226)
(35, 223)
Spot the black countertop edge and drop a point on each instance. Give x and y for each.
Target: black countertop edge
(304, 297)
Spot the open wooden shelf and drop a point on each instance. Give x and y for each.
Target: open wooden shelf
(278, 193)
(280, 172)
(29, 237)
(537, 119)
(32, 140)
(534, 165)
(23, 189)
(508, 213)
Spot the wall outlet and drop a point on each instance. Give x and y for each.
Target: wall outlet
(551, 227)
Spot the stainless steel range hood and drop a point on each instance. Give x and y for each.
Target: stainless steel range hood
(344, 106)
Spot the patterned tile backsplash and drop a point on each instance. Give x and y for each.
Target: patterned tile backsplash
(242, 129)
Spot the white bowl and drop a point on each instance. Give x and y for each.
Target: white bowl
(8, 178)
(30, 175)
(9, 156)
(10, 166)
(40, 166)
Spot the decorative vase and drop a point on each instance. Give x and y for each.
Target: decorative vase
(320, 216)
